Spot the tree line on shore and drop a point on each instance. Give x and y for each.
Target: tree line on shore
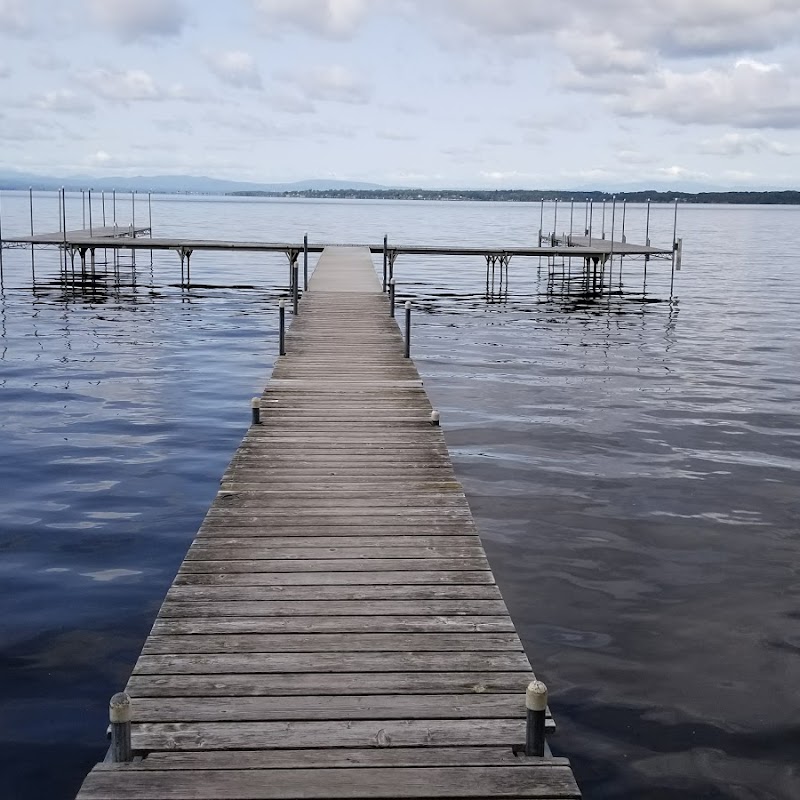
(788, 197)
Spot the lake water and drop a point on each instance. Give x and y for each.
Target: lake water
(633, 468)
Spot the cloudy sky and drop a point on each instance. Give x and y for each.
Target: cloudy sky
(497, 93)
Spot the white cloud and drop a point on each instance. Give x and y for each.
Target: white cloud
(135, 19)
(749, 94)
(64, 101)
(14, 18)
(234, 67)
(334, 19)
(122, 86)
(332, 83)
(739, 144)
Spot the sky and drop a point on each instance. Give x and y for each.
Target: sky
(608, 94)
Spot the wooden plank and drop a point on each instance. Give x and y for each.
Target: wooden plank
(337, 565)
(235, 594)
(244, 550)
(339, 608)
(388, 540)
(408, 578)
(339, 757)
(334, 624)
(329, 642)
(342, 683)
(209, 664)
(346, 733)
(333, 707)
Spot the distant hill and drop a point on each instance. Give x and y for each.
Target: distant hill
(169, 184)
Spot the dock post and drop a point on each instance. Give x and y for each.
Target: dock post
(119, 714)
(133, 214)
(305, 262)
(391, 296)
(603, 224)
(63, 224)
(385, 259)
(33, 259)
(1, 243)
(674, 248)
(611, 254)
(536, 710)
(407, 352)
(83, 209)
(90, 214)
(150, 214)
(282, 327)
(435, 418)
(295, 288)
(255, 410)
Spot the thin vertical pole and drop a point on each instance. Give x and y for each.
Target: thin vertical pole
(282, 327)
(541, 224)
(571, 214)
(295, 288)
(385, 257)
(90, 214)
(586, 217)
(64, 223)
(555, 223)
(33, 262)
(1, 239)
(305, 261)
(133, 214)
(407, 351)
(674, 247)
(103, 206)
(611, 255)
(604, 219)
(591, 215)
(150, 214)
(83, 209)
(647, 243)
(114, 205)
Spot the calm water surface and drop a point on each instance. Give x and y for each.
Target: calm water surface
(633, 468)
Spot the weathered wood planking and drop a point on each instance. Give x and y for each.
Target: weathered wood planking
(335, 630)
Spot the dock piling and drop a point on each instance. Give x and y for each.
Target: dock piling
(33, 258)
(536, 708)
(385, 259)
(407, 351)
(305, 262)
(119, 714)
(295, 287)
(391, 296)
(255, 409)
(435, 418)
(282, 327)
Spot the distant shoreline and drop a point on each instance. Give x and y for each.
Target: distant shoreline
(783, 198)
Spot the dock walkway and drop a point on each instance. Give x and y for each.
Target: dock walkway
(335, 630)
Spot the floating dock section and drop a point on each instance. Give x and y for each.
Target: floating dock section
(335, 630)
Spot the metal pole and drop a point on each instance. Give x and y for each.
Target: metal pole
(611, 255)
(83, 209)
(114, 206)
(647, 243)
(571, 215)
(305, 261)
(604, 219)
(591, 215)
(90, 213)
(541, 224)
(64, 223)
(536, 711)
(282, 327)
(103, 206)
(1, 239)
(674, 247)
(133, 214)
(555, 223)
(407, 352)
(391, 296)
(385, 256)
(33, 262)
(119, 714)
(295, 288)
(150, 215)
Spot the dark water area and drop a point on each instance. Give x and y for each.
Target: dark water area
(632, 463)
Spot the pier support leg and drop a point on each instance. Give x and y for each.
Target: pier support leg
(282, 327)
(407, 351)
(385, 260)
(536, 710)
(391, 296)
(119, 714)
(305, 262)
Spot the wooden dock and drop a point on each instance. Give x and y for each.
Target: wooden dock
(335, 630)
